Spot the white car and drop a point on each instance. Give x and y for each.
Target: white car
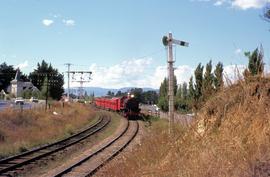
(19, 100)
(34, 100)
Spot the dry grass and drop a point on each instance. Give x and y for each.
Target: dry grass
(20, 131)
(230, 137)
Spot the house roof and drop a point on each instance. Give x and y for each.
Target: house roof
(17, 76)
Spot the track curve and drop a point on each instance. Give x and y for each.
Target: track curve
(89, 165)
(9, 165)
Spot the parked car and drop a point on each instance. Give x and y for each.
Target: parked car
(19, 100)
(34, 100)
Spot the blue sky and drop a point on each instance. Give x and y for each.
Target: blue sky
(120, 41)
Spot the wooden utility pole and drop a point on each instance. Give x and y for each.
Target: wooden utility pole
(49, 82)
(169, 41)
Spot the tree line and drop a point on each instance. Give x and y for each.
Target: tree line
(189, 97)
(46, 78)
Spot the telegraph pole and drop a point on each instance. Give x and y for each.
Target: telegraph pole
(169, 41)
(49, 82)
(68, 65)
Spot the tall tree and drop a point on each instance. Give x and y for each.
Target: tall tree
(163, 92)
(184, 91)
(55, 79)
(174, 85)
(191, 89)
(179, 92)
(182, 101)
(7, 73)
(150, 97)
(198, 81)
(208, 81)
(255, 63)
(178, 97)
(218, 76)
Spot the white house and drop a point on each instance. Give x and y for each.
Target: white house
(17, 86)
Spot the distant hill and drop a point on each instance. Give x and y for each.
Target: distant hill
(99, 91)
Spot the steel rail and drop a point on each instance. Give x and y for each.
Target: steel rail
(69, 169)
(10, 164)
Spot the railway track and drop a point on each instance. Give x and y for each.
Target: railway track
(90, 164)
(9, 166)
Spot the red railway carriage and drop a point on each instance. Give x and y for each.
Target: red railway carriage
(127, 105)
(106, 103)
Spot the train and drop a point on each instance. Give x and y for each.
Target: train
(128, 105)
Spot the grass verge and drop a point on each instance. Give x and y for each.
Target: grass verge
(21, 131)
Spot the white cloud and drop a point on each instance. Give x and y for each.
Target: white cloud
(22, 65)
(246, 4)
(47, 22)
(134, 73)
(140, 73)
(69, 22)
(239, 4)
(233, 73)
(127, 73)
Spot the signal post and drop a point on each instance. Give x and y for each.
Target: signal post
(168, 41)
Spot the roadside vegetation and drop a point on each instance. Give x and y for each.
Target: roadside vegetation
(228, 137)
(20, 131)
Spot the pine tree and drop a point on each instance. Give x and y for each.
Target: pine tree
(178, 97)
(56, 80)
(184, 91)
(179, 92)
(163, 92)
(255, 63)
(7, 73)
(208, 81)
(191, 89)
(198, 82)
(218, 76)
(174, 85)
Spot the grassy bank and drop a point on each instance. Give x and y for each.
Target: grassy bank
(20, 131)
(229, 137)
(77, 151)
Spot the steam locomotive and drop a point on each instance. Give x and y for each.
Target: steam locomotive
(128, 106)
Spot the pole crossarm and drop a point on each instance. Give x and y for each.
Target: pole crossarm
(178, 42)
(80, 72)
(81, 79)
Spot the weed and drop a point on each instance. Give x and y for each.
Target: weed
(20, 131)
(229, 137)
